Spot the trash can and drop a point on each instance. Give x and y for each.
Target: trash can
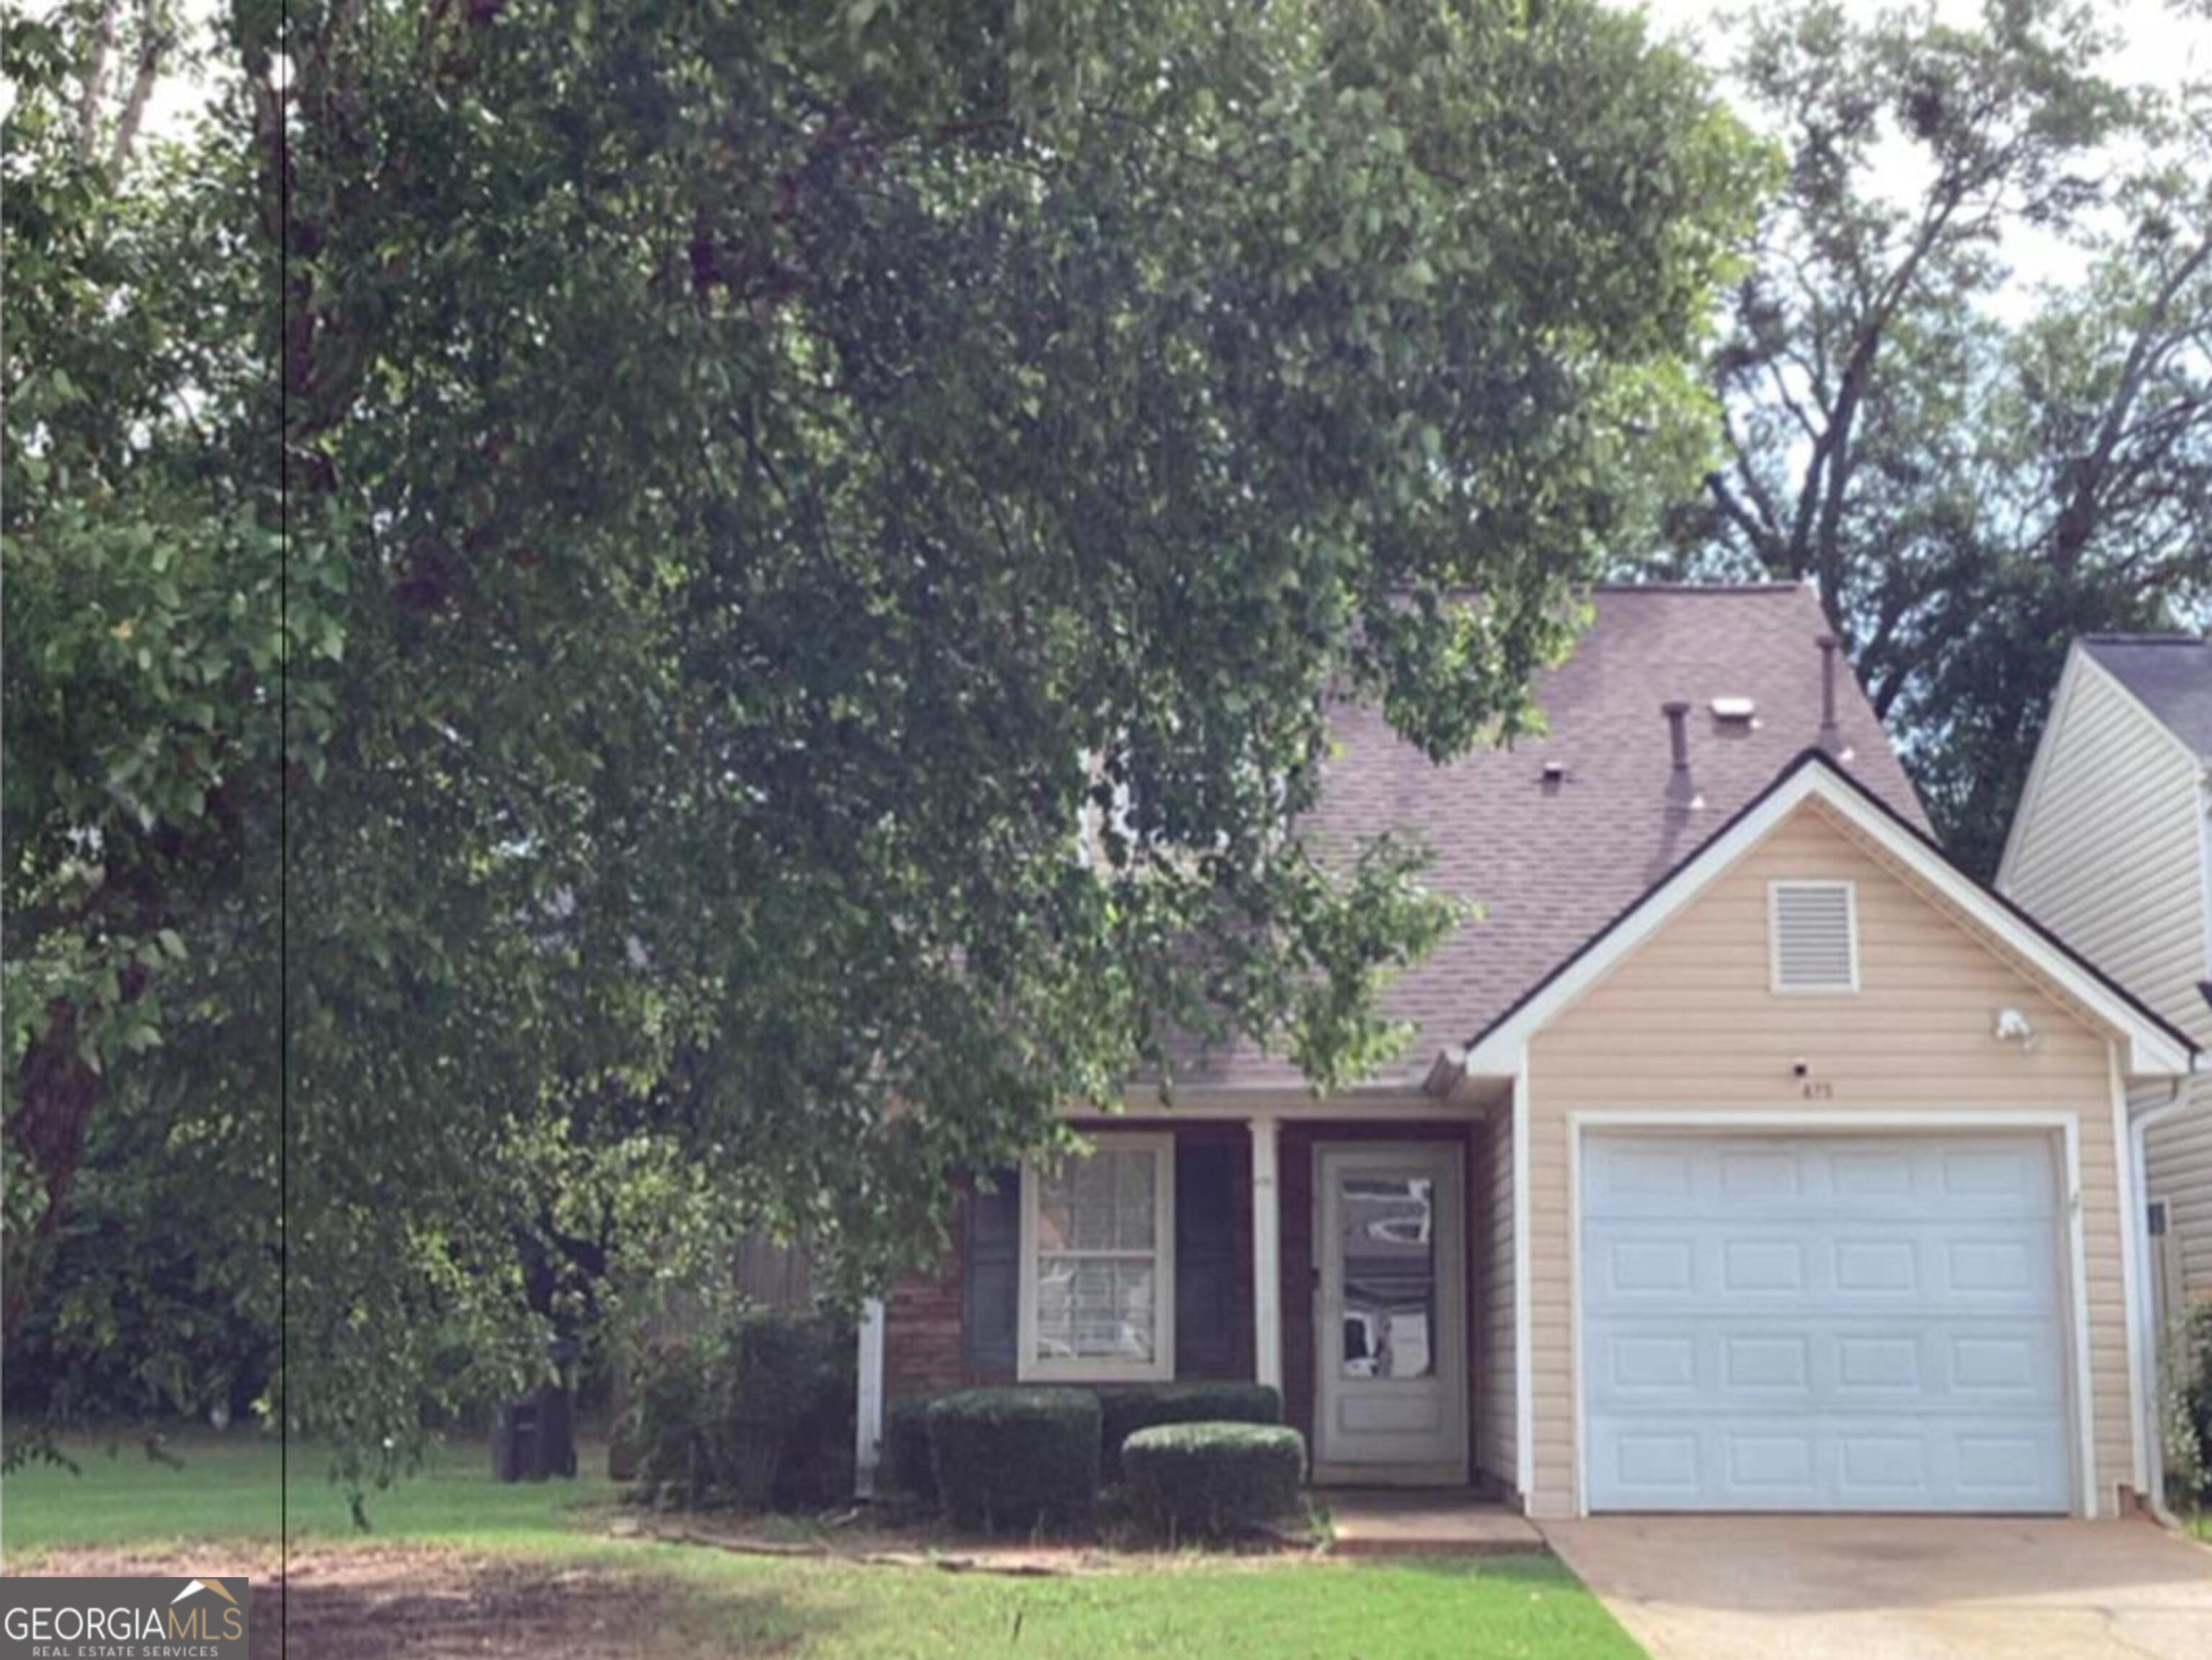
(535, 1436)
(515, 1441)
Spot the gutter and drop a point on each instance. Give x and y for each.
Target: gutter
(1446, 1073)
(2139, 1128)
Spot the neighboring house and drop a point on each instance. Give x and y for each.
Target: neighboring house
(2112, 848)
(1746, 1155)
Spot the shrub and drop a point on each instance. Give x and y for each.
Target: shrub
(755, 1413)
(1208, 1480)
(814, 1460)
(906, 1447)
(1128, 1411)
(1014, 1459)
(2185, 1415)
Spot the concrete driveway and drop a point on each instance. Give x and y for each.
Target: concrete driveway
(1895, 1588)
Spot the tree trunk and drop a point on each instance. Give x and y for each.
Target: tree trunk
(57, 1096)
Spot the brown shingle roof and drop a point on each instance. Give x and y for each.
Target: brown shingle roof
(1551, 863)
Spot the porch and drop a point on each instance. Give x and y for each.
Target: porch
(1360, 1263)
(1426, 1522)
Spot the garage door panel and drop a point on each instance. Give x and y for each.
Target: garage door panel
(1992, 1177)
(1825, 1366)
(1894, 1342)
(1795, 1463)
(1699, 1265)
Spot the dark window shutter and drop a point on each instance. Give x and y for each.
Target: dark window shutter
(990, 1292)
(1205, 1259)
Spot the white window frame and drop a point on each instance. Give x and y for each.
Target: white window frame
(1029, 1366)
(1774, 891)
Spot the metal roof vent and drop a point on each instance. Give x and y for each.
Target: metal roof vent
(1832, 735)
(1742, 710)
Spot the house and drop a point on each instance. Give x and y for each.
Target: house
(1746, 1155)
(2112, 847)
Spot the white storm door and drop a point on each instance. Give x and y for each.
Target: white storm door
(1389, 1342)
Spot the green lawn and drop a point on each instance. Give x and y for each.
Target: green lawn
(528, 1543)
(227, 1486)
(1501, 1609)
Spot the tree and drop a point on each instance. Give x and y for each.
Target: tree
(760, 480)
(1968, 491)
(2092, 470)
(142, 623)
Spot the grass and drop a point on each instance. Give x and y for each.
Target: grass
(696, 1601)
(227, 1487)
(1501, 1608)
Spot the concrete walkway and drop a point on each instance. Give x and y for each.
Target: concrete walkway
(1895, 1588)
(1424, 1521)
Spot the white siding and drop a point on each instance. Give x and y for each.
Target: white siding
(2180, 1172)
(2110, 857)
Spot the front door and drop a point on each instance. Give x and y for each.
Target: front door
(1390, 1331)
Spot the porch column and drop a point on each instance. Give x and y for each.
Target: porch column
(1266, 1257)
(868, 1427)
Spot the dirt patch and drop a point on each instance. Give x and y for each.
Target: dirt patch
(892, 1544)
(363, 1603)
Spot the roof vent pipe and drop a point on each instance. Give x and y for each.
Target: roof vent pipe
(1678, 733)
(1832, 736)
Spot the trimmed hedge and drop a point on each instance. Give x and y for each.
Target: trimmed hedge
(906, 1446)
(1184, 1479)
(1128, 1411)
(1016, 1459)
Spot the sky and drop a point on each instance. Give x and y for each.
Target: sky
(2155, 46)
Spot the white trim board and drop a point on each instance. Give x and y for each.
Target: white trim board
(868, 1419)
(1524, 1305)
(2152, 1050)
(1754, 1121)
(1292, 1105)
(2204, 859)
(2038, 765)
(2133, 1281)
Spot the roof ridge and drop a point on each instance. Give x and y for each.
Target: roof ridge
(2163, 637)
(1697, 587)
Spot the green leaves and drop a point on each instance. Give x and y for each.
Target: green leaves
(818, 552)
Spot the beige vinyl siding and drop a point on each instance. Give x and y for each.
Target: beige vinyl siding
(2179, 1171)
(2109, 856)
(1495, 1425)
(1687, 1022)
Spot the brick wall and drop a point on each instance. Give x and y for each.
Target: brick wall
(922, 1327)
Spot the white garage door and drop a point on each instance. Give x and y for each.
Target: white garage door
(1823, 1322)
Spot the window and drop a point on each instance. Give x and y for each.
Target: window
(1098, 1273)
(1815, 935)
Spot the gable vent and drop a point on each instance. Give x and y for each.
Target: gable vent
(1814, 928)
